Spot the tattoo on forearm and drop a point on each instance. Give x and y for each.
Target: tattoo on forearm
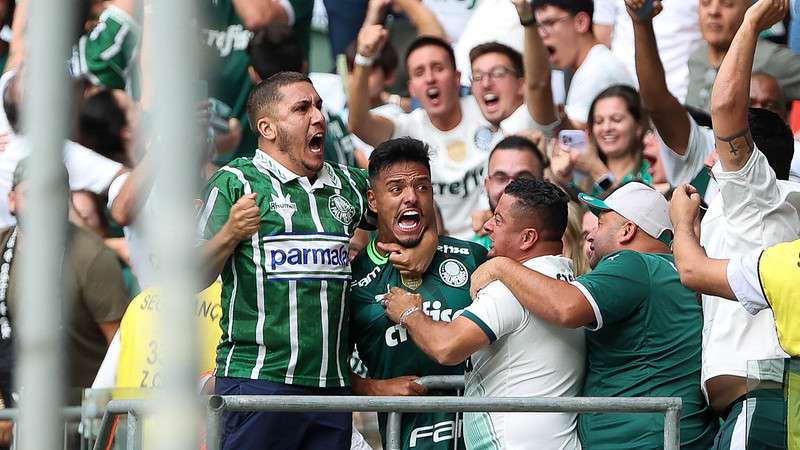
(740, 142)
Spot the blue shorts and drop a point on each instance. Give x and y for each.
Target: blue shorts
(282, 430)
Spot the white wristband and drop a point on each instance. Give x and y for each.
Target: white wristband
(364, 61)
(406, 313)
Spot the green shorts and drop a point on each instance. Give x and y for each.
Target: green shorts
(757, 423)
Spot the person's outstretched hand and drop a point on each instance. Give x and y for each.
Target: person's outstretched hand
(524, 9)
(766, 13)
(633, 7)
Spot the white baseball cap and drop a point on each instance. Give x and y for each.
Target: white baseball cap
(640, 204)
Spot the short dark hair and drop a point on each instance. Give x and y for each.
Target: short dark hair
(275, 48)
(544, 202)
(773, 138)
(571, 6)
(524, 144)
(386, 60)
(268, 92)
(11, 104)
(424, 41)
(101, 122)
(495, 47)
(404, 149)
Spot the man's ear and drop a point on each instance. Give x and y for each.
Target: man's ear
(390, 79)
(372, 202)
(12, 203)
(254, 76)
(627, 233)
(410, 89)
(529, 238)
(266, 128)
(582, 22)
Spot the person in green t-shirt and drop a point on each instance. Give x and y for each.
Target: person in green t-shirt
(645, 327)
(401, 195)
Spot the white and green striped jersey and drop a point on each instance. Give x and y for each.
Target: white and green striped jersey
(107, 56)
(283, 298)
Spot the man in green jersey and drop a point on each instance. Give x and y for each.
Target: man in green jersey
(402, 196)
(644, 327)
(277, 227)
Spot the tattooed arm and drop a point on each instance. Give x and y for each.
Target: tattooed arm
(731, 93)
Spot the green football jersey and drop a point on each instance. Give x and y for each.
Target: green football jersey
(283, 298)
(386, 348)
(226, 39)
(108, 54)
(646, 343)
(338, 146)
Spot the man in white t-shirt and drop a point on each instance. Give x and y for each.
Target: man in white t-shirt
(677, 34)
(459, 133)
(559, 33)
(514, 353)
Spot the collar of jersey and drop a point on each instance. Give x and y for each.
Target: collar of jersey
(263, 162)
(374, 255)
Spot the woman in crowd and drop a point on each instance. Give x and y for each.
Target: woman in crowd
(614, 154)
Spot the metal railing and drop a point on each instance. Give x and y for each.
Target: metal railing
(217, 405)
(69, 414)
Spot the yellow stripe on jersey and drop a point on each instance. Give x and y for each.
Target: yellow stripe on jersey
(792, 393)
(138, 360)
(779, 272)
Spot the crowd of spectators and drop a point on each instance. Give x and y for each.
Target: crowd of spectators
(552, 197)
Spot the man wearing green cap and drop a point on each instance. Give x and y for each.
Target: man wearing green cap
(644, 326)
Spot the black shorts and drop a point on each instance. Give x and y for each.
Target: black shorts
(282, 430)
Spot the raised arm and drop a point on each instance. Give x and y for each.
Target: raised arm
(668, 116)
(258, 13)
(698, 272)
(730, 96)
(370, 128)
(555, 301)
(538, 92)
(423, 18)
(126, 206)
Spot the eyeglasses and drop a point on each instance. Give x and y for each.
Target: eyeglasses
(495, 73)
(504, 178)
(549, 24)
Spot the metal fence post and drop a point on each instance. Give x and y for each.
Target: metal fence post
(38, 327)
(394, 437)
(216, 405)
(672, 428)
(134, 431)
(173, 75)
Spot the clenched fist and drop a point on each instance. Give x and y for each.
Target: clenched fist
(371, 39)
(244, 218)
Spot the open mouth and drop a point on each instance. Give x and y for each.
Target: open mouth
(315, 144)
(409, 220)
(433, 94)
(491, 100)
(609, 139)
